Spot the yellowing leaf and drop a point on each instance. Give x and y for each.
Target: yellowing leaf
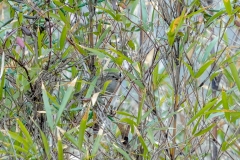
(175, 23)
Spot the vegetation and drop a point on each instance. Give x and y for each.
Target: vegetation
(178, 95)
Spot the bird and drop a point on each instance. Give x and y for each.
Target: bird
(113, 79)
(209, 2)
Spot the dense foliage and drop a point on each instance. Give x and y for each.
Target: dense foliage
(177, 94)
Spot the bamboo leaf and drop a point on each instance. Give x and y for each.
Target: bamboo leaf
(26, 133)
(66, 97)
(229, 142)
(189, 69)
(2, 84)
(228, 6)
(202, 111)
(139, 117)
(71, 139)
(125, 114)
(215, 16)
(120, 54)
(209, 48)
(6, 23)
(60, 150)
(63, 37)
(82, 128)
(195, 13)
(20, 139)
(96, 52)
(131, 44)
(103, 36)
(65, 7)
(196, 126)
(203, 68)
(144, 14)
(46, 145)
(203, 131)
(126, 156)
(130, 122)
(97, 141)
(225, 105)
(174, 27)
(47, 107)
(142, 142)
(234, 73)
(92, 87)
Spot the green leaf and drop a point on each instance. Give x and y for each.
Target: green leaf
(201, 112)
(146, 114)
(18, 148)
(20, 139)
(150, 135)
(135, 80)
(125, 114)
(227, 4)
(195, 13)
(234, 116)
(214, 74)
(65, 7)
(139, 83)
(53, 99)
(97, 141)
(46, 145)
(29, 48)
(66, 52)
(130, 122)
(71, 139)
(234, 71)
(92, 87)
(40, 37)
(105, 85)
(229, 142)
(189, 69)
(110, 12)
(2, 84)
(126, 156)
(196, 126)
(131, 44)
(209, 48)
(6, 23)
(132, 6)
(139, 117)
(27, 135)
(55, 16)
(20, 18)
(103, 36)
(60, 150)
(96, 52)
(225, 105)
(142, 142)
(120, 54)
(203, 68)
(78, 47)
(66, 97)
(47, 107)
(63, 37)
(203, 131)
(82, 128)
(63, 17)
(215, 16)
(228, 75)
(144, 14)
